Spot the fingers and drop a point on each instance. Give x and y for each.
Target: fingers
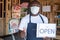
(24, 30)
(46, 38)
(22, 34)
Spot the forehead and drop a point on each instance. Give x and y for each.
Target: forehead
(35, 4)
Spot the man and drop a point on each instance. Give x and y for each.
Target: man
(29, 22)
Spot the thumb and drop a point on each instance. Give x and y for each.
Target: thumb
(24, 29)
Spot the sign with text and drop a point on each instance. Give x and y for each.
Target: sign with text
(46, 8)
(46, 30)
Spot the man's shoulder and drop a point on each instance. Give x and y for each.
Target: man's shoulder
(43, 16)
(25, 17)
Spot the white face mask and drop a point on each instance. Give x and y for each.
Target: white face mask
(35, 9)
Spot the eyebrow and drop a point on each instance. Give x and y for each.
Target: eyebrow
(35, 4)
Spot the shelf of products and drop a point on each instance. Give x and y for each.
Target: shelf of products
(58, 32)
(58, 26)
(56, 10)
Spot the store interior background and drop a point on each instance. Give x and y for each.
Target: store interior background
(6, 13)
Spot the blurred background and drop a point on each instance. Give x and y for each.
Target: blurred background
(18, 8)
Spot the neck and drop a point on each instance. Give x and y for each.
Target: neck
(34, 14)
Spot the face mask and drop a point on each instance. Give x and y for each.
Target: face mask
(35, 9)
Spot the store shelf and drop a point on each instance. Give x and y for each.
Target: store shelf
(58, 11)
(58, 37)
(58, 26)
(58, 18)
(58, 32)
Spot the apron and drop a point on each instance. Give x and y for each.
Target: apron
(31, 30)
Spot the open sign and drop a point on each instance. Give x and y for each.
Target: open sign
(46, 30)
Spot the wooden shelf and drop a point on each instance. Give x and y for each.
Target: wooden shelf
(58, 37)
(58, 26)
(58, 18)
(56, 1)
(58, 33)
(58, 11)
(1, 2)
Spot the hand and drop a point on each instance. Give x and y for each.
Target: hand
(46, 38)
(22, 34)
